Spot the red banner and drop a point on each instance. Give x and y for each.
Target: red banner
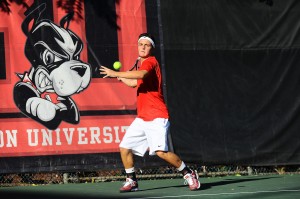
(97, 134)
(93, 134)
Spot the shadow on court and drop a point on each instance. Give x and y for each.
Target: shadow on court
(209, 185)
(165, 187)
(205, 186)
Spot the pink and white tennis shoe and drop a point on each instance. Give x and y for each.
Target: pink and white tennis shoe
(129, 185)
(192, 180)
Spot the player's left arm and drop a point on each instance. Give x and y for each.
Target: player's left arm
(129, 82)
(139, 74)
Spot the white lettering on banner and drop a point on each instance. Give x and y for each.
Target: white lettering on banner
(117, 140)
(11, 138)
(95, 134)
(29, 133)
(47, 137)
(64, 136)
(107, 132)
(81, 135)
(58, 142)
(123, 130)
(69, 136)
(1, 139)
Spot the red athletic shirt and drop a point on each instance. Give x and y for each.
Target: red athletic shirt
(150, 99)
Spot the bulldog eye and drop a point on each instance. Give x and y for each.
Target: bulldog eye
(48, 57)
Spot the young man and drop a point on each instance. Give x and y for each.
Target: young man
(150, 127)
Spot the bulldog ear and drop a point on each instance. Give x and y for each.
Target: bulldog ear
(33, 15)
(66, 19)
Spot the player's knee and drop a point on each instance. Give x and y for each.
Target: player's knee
(161, 154)
(124, 150)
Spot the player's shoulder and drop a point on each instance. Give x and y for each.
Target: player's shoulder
(151, 60)
(149, 64)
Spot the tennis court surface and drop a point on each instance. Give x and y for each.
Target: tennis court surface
(285, 186)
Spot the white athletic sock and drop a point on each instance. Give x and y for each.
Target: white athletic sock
(130, 170)
(182, 166)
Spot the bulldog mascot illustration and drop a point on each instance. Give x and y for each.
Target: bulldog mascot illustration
(44, 91)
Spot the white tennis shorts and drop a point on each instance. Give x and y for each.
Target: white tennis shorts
(143, 135)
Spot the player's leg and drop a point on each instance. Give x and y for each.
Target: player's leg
(133, 143)
(175, 161)
(170, 157)
(191, 177)
(157, 138)
(128, 163)
(127, 157)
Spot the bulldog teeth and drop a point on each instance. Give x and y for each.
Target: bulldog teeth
(44, 81)
(47, 81)
(41, 77)
(42, 84)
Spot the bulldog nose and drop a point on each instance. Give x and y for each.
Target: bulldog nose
(79, 69)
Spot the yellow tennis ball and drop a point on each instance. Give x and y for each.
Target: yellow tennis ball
(117, 65)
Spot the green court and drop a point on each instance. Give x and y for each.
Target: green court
(285, 186)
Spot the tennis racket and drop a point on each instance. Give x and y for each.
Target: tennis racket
(135, 66)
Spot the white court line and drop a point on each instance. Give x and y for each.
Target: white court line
(218, 194)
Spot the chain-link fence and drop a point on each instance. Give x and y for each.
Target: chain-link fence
(26, 179)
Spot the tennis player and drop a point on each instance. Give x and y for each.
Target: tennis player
(149, 129)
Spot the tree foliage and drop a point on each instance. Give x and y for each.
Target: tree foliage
(67, 5)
